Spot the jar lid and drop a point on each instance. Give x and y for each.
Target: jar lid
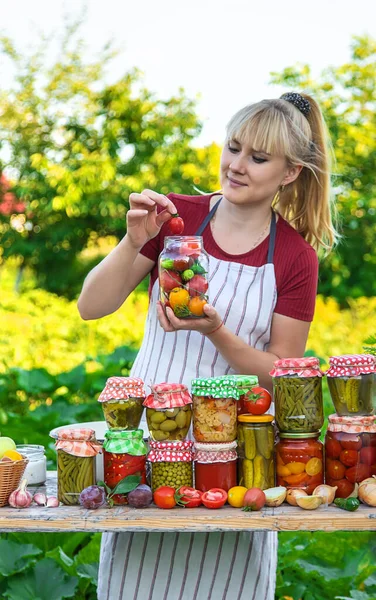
(351, 365)
(78, 441)
(308, 366)
(120, 388)
(211, 453)
(255, 418)
(125, 442)
(358, 424)
(168, 395)
(170, 451)
(299, 436)
(244, 382)
(216, 387)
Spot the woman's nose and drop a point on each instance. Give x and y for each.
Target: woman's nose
(238, 163)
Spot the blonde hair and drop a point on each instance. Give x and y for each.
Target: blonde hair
(278, 127)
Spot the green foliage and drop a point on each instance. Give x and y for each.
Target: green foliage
(348, 97)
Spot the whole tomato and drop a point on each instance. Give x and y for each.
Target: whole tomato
(332, 448)
(168, 280)
(197, 286)
(335, 469)
(349, 441)
(176, 225)
(164, 497)
(257, 401)
(344, 487)
(182, 264)
(190, 497)
(214, 498)
(349, 457)
(358, 473)
(368, 455)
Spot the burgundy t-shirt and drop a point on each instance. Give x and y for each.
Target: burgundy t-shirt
(295, 261)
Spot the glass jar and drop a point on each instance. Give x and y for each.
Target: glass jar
(256, 451)
(168, 411)
(297, 387)
(299, 458)
(215, 466)
(124, 453)
(214, 409)
(171, 464)
(350, 452)
(245, 383)
(352, 384)
(36, 470)
(76, 452)
(122, 402)
(183, 276)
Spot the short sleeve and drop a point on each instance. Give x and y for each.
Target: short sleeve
(297, 294)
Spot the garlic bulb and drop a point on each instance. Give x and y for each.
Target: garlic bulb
(21, 497)
(293, 494)
(327, 492)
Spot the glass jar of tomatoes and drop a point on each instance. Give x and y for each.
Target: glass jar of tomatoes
(215, 409)
(168, 411)
(297, 386)
(215, 466)
(256, 451)
(171, 464)
(352, 384)
(299, 458)
(183, 275)
(350, 452)
(124, 453)
(122, 402)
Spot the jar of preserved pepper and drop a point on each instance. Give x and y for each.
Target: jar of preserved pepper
(183, 276)
(256, 451)
(297, 386)
(76, 452)
(350, 452)
(215, 409)
(215, 466)
(171, 464)
(122, 402)
(299, 461)
(124, 453)
(168, 411)
(352, 384)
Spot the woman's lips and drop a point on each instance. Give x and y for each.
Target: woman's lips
(235, 183)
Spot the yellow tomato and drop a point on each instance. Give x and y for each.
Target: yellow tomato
(282, 470)
(313, 466)
(296, 467)
(236, 496)
(178, 297)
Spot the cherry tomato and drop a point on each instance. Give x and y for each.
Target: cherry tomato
(369, 439)
(368, 455)
(350, 457)
(358, 473)
(190, 249)
(335, 469)
(332, 448)
(257, 401)
(176, 225)
(197, 286)
(168, 280)
(214, 498)
(349, 441)
(182, 264)
(345, 487)
(190, 497)
(164, 497)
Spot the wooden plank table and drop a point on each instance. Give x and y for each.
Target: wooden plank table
(283, 518)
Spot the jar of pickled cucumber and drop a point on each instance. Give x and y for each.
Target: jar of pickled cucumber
(183, 276)
(256, 451)
(171, 464)
(297, 386)
(352, 384)
(122, 402)
(76, 452)
(168, 411)
(215, 406)
(124, 453)
(300, 461)
(215, 466)
(350, 452)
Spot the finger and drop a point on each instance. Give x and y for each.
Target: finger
(163, 321)
(161, 199)
(141, 201)
(175, 321)
(134, 216)
(163, 217)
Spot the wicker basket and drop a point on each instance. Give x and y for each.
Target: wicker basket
(10, 477)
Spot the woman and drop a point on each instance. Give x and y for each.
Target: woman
(261, 233)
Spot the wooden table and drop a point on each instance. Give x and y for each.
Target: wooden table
(283, 518)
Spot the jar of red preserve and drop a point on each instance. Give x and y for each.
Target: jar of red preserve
(124, 453)
(350, 452)
(300, 462)
(215, 466)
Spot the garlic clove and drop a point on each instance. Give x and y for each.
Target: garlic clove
(309, 502)
(327, 492)
(40, 499)
(21, 497)
(292, 495)
(52, 502)
(275, 496)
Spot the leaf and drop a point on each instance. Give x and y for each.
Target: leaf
(103, 484)
(35, 381)
(46, 581)
(15, 558)
(126, 485)
(62, 559)
(74, 379)
(370, 340)
(89, 571)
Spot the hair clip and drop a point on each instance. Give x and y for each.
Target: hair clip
(297, 100)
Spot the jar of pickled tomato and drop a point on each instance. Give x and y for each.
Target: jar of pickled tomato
(300, 461)
(215, 466)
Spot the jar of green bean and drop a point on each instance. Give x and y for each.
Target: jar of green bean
(297, 386)
(171, 464)
(76, 452)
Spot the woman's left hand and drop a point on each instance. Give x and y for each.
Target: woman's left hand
(169, 322)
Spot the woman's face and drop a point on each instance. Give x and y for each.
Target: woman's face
(250, 176)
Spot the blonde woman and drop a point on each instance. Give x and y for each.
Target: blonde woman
(262, 234)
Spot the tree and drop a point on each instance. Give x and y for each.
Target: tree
(348, 98)
(77, 147)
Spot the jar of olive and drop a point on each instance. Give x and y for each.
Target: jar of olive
(122, 402)
(171, 464)
(76, 452)
(168, 411)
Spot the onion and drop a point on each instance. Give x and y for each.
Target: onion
(309, 502)
(293, 494)
(327, 492)
(354, 493)
(367, 493)
(275, 496)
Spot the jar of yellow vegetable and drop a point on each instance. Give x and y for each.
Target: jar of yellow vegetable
(256, 451)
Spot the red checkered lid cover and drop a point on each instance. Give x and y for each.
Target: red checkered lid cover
(78, 441)
(358, 424)
(168, 395)
(212, 453)
(351, 365)
(121, 388)
(170, 451)
(308, 366)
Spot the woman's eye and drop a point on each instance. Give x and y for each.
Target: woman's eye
(259, 160)
(233, 149)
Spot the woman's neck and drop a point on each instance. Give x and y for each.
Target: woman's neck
(250, 219)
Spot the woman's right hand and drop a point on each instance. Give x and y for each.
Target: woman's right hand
(143, 221)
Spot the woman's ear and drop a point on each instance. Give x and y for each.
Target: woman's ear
(292, 173)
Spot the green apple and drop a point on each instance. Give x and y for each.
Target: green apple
(6, 443)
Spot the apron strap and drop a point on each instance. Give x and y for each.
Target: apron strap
(209, 216)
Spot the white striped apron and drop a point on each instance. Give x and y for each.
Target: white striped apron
(198, 566)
